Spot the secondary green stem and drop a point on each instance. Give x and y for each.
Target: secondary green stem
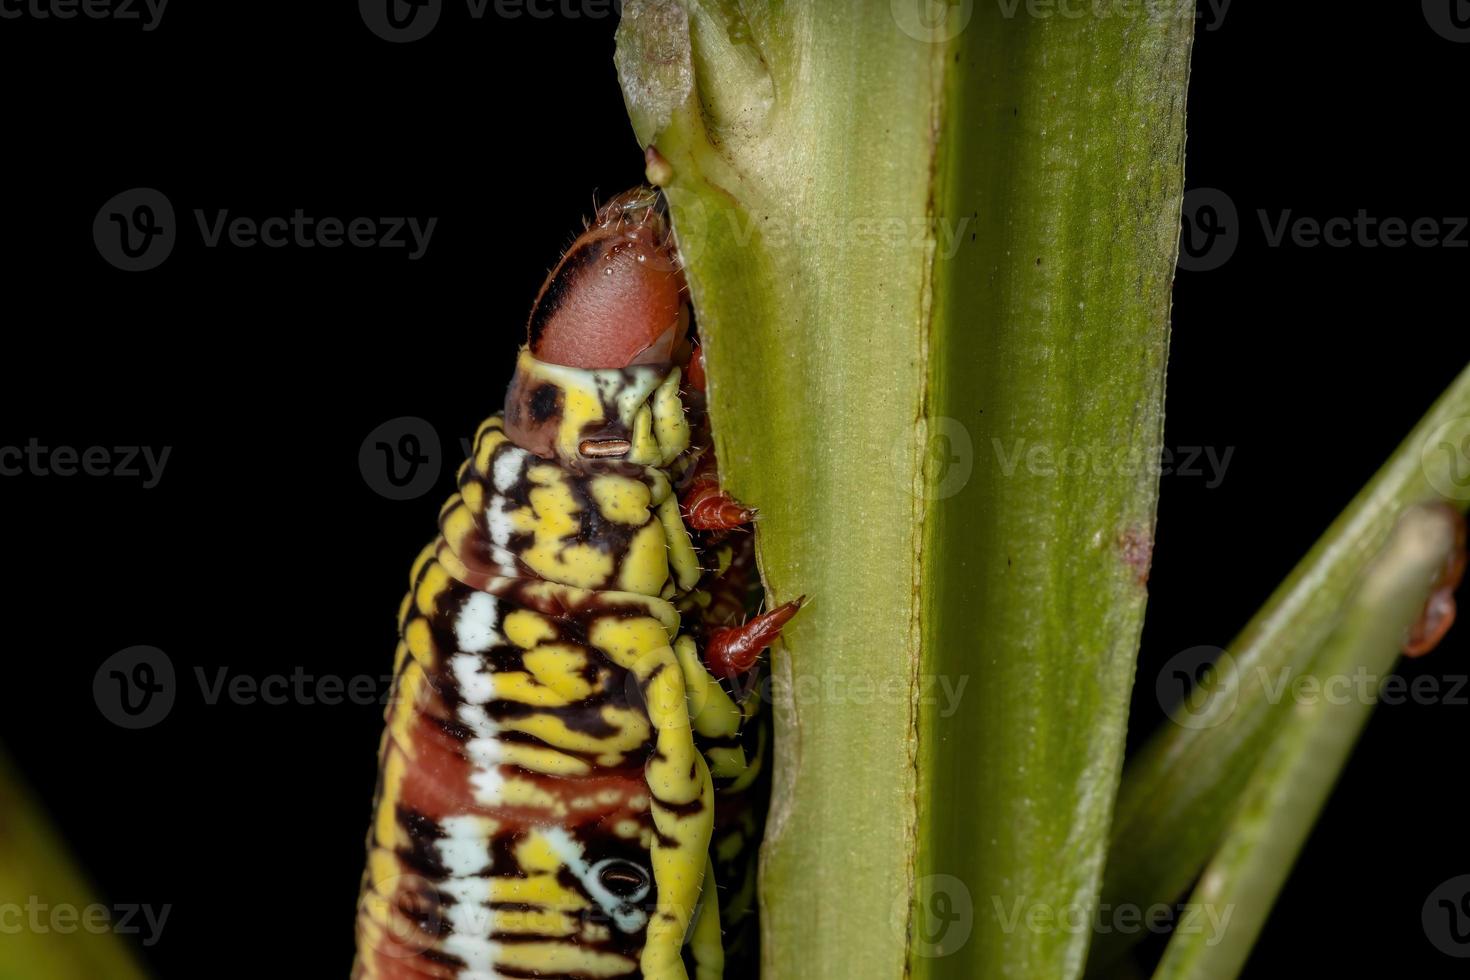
(1293, 780)
(1178, 794)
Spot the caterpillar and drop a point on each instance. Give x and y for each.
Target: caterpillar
(573, 761)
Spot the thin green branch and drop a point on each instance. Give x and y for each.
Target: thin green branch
(1178, 794)
(1290, 786)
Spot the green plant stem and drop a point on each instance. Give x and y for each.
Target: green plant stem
(916, 249)
(1178, 794)
(1063, 150)
(1292, 782)
(42, 934)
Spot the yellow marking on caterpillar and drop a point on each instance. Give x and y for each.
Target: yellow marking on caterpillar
(401, 713)
(627, 641)
(385, 824)
(434, 583)
(706, 943)
(681, 547)
(458, 525)
(559, 667)
(536, 889)
(526, 628)
(523, 689)
(646, 563)
(670, 425)
(540, 759)
(535, 922)
(645, 447)
(715, 715)
(630, 732)
(490, 438)
(621, 499)
(559, 958)
(420, 642)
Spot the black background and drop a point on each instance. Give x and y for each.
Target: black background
(263, 549)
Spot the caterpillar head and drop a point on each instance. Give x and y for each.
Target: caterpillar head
(617, 297)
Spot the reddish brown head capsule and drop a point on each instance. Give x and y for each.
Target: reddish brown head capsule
(617, 297)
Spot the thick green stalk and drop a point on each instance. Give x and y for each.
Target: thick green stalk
(1064, 151)
(800, 137)
(930, 261)
(1290, 786)
(50, 923)
(1177, 796)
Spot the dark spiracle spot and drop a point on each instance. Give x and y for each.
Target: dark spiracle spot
(623, 878)
(543, 403)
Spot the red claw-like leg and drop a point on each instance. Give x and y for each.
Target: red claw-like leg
(732, 650)
(707, 507)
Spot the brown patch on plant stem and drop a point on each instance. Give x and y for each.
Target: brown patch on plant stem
(1137, 545)
(1439, 612)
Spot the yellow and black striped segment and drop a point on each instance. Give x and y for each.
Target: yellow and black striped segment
(547, 795)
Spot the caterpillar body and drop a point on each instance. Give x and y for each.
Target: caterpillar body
(573, 762)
